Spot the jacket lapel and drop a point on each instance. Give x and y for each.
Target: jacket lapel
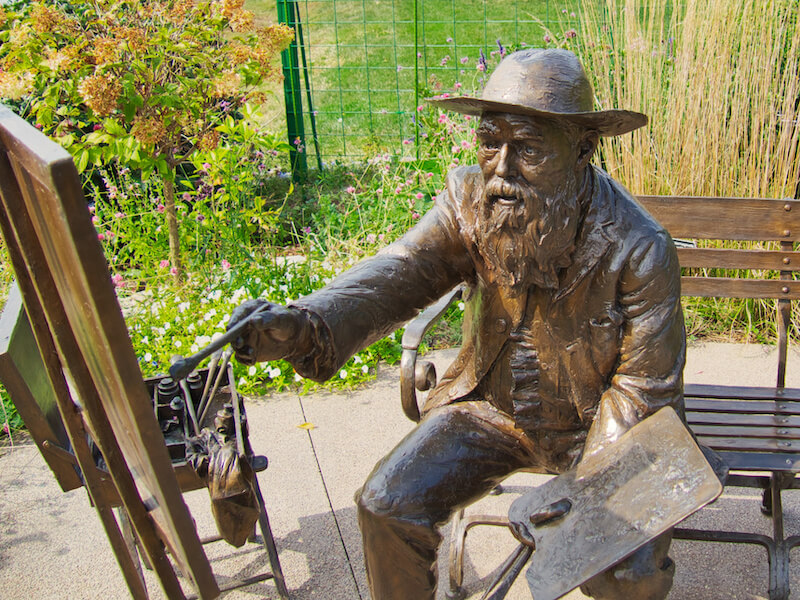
(594, 241)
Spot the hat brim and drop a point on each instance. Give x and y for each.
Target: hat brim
(605, 122)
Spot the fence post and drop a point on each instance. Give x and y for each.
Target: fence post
(292, 94)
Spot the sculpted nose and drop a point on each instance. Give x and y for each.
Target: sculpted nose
(504, 162)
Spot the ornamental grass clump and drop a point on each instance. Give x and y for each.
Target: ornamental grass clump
(720, 81)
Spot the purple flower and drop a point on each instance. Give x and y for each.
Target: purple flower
(570, 33)
(482, 64)
(500, 46)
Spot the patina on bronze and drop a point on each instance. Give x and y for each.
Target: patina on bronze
(573, 330)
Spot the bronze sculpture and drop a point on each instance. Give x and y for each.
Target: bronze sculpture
(573, 330)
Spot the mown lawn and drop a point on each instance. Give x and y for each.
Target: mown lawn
(363, 61)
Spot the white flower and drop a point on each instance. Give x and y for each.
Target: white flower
(461, 306)
(145, 340)
(194, 348)
(191, 327)
(242, 381)
(178, 343)
(365, 369)
(167, 325)
(183, 306)
(392, 336)
(148, 357)
(343, 374)
(357, 359)
(297, 378)
(252, 371)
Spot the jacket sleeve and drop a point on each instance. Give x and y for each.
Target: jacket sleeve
(652, 354)
(383, 292)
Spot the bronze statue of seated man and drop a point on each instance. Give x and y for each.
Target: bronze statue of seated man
(573, 330)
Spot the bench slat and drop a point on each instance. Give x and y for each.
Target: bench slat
(703, 390)
(729, 287)
(742, 219)
(758, 461)
(741, 419)
(749, 444)
(744, 407)
(721, 431)
(728, 258)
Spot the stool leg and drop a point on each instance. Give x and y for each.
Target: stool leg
(455, 591)
(269, 544)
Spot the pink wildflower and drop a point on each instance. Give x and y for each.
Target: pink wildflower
(163, 264)
(350, 189)
(95, 219)
(465, 60)
(415, 215)
(119, 215)
(226, 266)
(161, 208)
(101, 237)
(117, 280)
(173, 271)
(371, 238)
(419, 195)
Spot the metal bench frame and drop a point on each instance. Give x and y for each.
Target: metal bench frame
(756, 430)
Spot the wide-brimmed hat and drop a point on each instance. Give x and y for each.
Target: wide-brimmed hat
(544, 83)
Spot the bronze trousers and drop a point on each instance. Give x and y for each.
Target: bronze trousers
(456, 455)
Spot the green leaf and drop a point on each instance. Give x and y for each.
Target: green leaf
(81, 160)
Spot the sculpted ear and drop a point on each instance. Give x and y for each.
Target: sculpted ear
(587, 144)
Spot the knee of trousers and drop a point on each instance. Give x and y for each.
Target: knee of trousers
(377, 505)
(646, 575)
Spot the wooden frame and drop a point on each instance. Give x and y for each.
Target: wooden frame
(88, 357)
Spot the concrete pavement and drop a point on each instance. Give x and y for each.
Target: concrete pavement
(52, 545)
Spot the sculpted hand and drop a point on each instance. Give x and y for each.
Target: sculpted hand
(273, 332)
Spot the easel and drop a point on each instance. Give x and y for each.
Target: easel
(93, 373)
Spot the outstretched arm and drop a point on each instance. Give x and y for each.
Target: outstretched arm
(319, 332)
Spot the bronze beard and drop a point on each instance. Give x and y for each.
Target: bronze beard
(526, 243)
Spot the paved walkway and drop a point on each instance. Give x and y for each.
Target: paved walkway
(52, 545)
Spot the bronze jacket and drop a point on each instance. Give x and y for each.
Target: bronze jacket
(610, 340)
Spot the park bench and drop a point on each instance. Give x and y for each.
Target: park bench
(68, 364)
(756, 430)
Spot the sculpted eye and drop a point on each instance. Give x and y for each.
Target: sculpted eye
(530, 150)
(490, 145)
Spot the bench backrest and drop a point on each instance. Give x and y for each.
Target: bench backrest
(767, 267)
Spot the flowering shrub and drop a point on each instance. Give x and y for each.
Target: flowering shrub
(142, 84)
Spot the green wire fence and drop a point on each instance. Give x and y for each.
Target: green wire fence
(358, 69)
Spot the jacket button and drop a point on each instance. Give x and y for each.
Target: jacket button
(500, 325)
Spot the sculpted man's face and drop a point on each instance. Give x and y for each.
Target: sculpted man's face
(533, 171)
(518, 150)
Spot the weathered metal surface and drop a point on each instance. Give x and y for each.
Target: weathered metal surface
(613, 503)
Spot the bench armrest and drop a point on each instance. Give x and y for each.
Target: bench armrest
(420, 376)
